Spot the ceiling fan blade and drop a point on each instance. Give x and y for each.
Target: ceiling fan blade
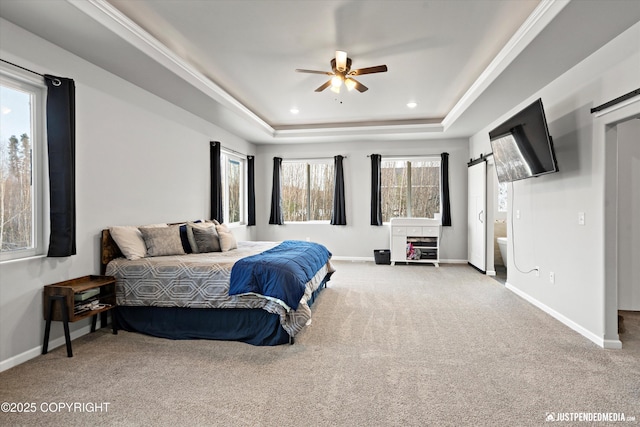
(327, 73)
(359, 86)
(324, 86)
(368, 70)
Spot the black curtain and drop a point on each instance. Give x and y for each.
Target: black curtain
(444, 188)
(61, 148)
(338, 216)
(216, 182)
(251, 191)
(376, 191)
(276, 209)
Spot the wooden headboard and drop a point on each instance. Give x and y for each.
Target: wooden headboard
(108, 250)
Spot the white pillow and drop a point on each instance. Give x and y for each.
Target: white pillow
(130, 241)
(226, 237)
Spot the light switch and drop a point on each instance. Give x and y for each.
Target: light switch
(580, 218)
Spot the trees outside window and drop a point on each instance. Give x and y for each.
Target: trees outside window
(20, 117)
(410, 188)
(233, 185)
(307, 191)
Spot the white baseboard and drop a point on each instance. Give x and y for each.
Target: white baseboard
(37, 351)
(490, 273)
(353, 258)
(612, 344)
(609, 344)
(372, 259)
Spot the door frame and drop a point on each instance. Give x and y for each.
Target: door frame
(483, 269)
(605, 127)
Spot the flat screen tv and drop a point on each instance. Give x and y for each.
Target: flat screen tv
(522, 147)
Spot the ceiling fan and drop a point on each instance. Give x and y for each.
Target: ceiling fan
(342, 73)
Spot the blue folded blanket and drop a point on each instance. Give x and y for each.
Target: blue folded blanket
(281, 272)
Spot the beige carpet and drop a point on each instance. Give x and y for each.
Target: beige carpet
(389, 346)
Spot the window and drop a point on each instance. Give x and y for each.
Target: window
(410, 188)
(21, 120)
(503, 196)
(233, 178)
(307, 190)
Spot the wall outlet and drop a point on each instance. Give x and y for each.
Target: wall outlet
(537, 271)
(517, 213)
(552, 277)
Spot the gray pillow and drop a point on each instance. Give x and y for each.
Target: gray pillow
(206, 239)
(162, 241)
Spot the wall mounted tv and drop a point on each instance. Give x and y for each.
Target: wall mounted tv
(522, 147)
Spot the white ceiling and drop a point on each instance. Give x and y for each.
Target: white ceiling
(232, 61)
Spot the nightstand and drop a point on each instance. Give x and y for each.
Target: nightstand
(78, 299)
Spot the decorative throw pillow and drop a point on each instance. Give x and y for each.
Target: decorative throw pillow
(206, 239)
(212, 245)
(162, 241)
(184, 237)
(227, 239)
(130, 241)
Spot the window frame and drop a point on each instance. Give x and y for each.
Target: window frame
(409, 159)
(22, 81)
(225, 157)
(308, 162)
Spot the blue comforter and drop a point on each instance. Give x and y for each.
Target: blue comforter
(281, 272)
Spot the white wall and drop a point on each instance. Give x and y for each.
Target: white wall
(139, 160)
(358, 238)
(548, 234)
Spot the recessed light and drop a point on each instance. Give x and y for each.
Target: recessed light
(294, 111)
(412, 104)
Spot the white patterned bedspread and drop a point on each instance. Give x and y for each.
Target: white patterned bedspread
(202, 281)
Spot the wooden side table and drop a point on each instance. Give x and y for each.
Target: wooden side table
(78, 299)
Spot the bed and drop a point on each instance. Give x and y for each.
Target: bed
(217, 295)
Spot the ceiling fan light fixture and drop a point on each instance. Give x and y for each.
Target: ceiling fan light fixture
(342, 73)
(349, 83)
(341, 61)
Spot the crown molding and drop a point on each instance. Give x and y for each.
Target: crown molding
(114, 20)
(541, 16)
(110, 17)
(400, 127)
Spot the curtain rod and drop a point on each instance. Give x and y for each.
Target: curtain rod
(22, 68)
(407, 156)
(55, 81)
(229, 150)
(309, 158)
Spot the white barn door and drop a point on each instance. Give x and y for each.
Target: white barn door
(476, 218)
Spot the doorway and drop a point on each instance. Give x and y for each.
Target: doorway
(628, 134)
(622, 171)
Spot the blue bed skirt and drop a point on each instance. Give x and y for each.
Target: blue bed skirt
(252, 326)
